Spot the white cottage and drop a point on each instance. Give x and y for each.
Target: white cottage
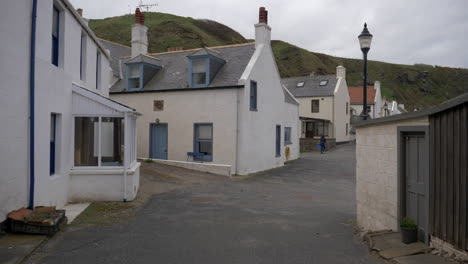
(62, 139)
(222, 107)
(324, 105)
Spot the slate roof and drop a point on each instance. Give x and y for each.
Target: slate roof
(174, 72)
(116, 52)
(356, 94)
(311, 86)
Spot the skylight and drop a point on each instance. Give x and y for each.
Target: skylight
(323, 83)
(300, 84)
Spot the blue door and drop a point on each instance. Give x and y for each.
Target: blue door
(158, 141)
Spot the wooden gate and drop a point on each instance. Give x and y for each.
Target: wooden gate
(449, 166)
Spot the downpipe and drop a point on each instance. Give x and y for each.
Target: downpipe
(32, 80)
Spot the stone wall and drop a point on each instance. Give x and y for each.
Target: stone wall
(311, 143)
(377, 174)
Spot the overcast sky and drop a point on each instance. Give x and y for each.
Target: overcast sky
(405, 31)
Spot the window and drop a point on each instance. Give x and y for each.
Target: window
(134, 77)
(323, 83)
(300, 84)
(98, 70)
(321, 128)
(53, 143)
(55, 36)
(203, 141)
(347, 107)
(99, 141)
(287, 136)
(199, 72)
(346, 128)
(368, 107)
(86, 141)
(315, 106)
(83, 57)
(112, 141)
(278, 141)
(253, 96)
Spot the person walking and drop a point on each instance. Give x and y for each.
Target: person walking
(323, 140)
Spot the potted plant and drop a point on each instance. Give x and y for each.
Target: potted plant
(409, 230)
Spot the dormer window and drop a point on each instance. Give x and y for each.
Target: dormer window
(199, 75)
(203, 67)
(134, 76)
(139, 71)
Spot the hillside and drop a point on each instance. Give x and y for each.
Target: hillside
(416, 86)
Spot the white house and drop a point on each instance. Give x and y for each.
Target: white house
(323, 104)
(374, 100)
(221, 106)
(61, 138)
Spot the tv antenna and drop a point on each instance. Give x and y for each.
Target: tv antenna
(147, 6)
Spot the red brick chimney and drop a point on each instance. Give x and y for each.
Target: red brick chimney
(139, 17)
(263, 16)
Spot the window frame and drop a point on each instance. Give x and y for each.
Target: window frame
(99, 157)
(287, 135)
(278, 141)
(312, 105)
(53, 144)
(253, 95)
(347, 108)
(346, 128)
(98, 70)
(83, 52)
(55, 49)
(208, 158)
(206, 60)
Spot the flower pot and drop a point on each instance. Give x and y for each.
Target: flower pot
(409, 235)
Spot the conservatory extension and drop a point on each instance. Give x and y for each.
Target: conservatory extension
(104, 154)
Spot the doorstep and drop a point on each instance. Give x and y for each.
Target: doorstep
(388, 246)
(14, 248)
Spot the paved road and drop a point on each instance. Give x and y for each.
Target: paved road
(300, 213)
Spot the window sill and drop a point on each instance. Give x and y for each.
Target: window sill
(253, 110)
(287, 143)
(277, 156)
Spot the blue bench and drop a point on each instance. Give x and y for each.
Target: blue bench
(195, 155)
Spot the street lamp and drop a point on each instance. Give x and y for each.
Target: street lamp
(365, 40)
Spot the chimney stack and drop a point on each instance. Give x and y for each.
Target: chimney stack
(139, 35)
(341, 72)
(262, 30)
(80, 12)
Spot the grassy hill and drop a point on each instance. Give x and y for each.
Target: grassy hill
(416, 86)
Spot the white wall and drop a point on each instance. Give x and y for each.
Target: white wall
(341, 116)
(378, 104)
(256, 147)
(14, 69)
(181, 111)
(359, 107)
(377, 174)
(53, 95)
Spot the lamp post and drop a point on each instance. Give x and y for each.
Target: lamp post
(365, 40)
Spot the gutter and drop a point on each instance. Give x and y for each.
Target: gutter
(32, 80)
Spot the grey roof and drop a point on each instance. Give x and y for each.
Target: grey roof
(462, 99)
(311, 86)
(207, 51)
(116, 51)
(145, 59)
(174, 72)
(288, 98)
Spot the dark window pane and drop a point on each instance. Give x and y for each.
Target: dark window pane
(112, 141)
(199, 78)
(86, 141)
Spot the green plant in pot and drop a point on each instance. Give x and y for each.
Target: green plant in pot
(409, 230)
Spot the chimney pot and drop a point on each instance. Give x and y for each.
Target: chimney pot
(80, 12)
(139, 17)
(263, 16)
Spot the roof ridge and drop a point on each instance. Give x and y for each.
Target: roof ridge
(197, 49)
(114, 43)
(308, 76)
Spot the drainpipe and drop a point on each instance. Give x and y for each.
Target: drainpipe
(32, 79)
(237, 132)
(126, 148)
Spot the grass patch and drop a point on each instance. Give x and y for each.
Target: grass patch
(104, 213)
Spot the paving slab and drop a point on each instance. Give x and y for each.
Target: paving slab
(422, 259)
(74, 210)
(404, 250)
(14, 248)
(386, 241)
